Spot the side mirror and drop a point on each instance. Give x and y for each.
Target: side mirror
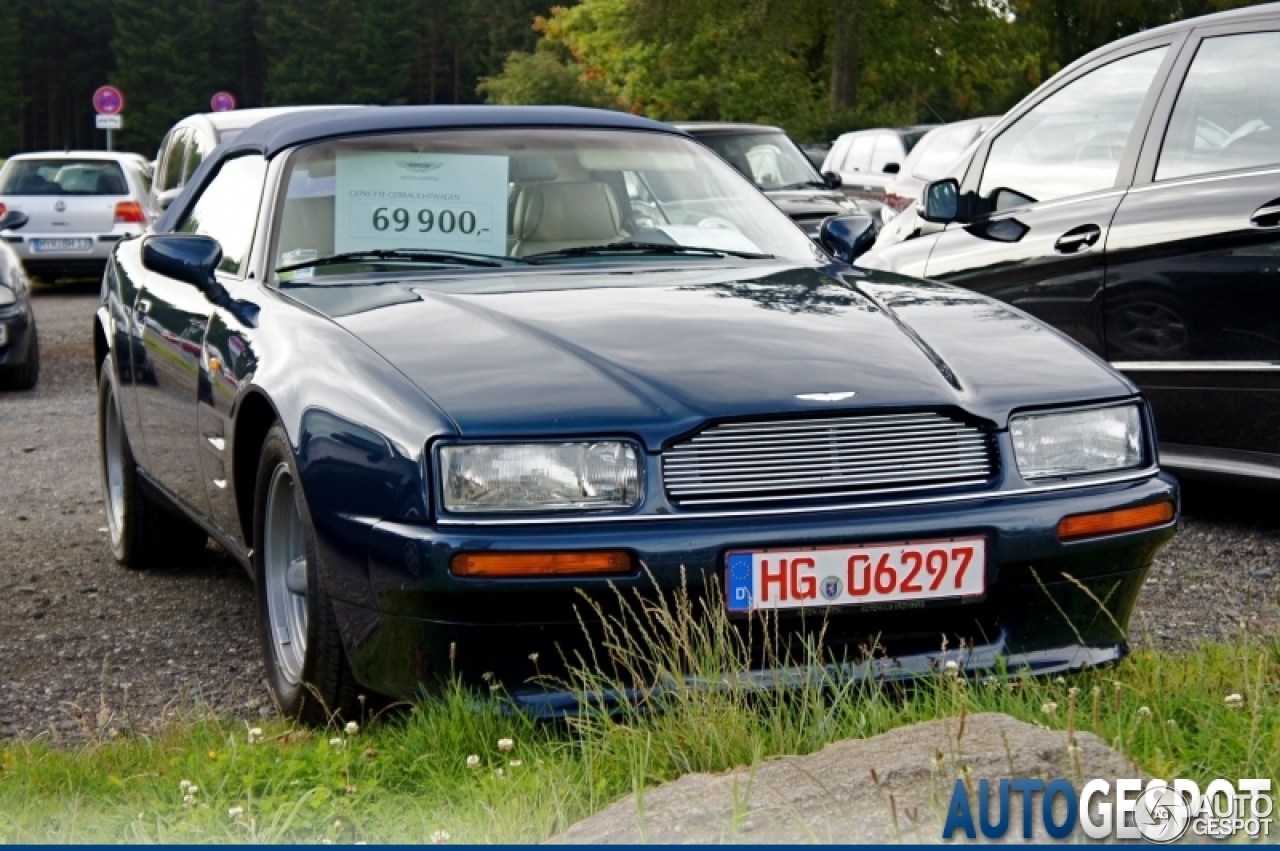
(940, 202)
(892, 168)
(847, 237)
(13, 220)
(167, 197)
(832, 180)
(184, 257)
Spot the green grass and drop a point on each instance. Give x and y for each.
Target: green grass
(404, 776)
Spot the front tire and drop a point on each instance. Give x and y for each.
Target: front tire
(306, 665)
(143, 534)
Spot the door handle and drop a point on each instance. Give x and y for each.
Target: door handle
(1078, 239)
(1266, 216)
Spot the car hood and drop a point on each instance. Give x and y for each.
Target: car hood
(657, 351)
(810, 202)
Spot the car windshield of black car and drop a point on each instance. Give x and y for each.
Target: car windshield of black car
(514, 193)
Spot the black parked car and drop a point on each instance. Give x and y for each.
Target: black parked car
(1133, 201)
(19, 346)
(781, 170)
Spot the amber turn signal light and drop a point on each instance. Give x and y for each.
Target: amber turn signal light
(1111, 522)
(540, 564)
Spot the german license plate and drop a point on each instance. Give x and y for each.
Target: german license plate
(63, 244)
(855, 575)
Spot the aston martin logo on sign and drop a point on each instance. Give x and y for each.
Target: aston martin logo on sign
(418, 167)
(839, 396)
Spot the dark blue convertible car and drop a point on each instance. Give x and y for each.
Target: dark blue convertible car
(433, 374)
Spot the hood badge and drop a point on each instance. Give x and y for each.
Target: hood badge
(827, 397)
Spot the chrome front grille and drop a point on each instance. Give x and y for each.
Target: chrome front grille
(824, 458)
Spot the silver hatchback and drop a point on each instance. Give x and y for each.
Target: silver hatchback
(79, 204)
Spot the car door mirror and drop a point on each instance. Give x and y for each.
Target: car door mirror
(832, 180)
(185, 257)
(847, 237)
(940, 202)
(892, 168)
(13, 220)
(167, 197)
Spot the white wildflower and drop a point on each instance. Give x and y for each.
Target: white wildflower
(1050, 708)
(1144, 711)
(193, 788)
(515, 763)
(324, 840)
(188, 800)
(952, 665)
(352, 728)
(336, 742)
(439, 837)
(235, 812)
(255, 735)
(473, 761)
(498, 772)
(184, 787)
(1172, 723)
(1234, 701)
(505, 745)
(337, 824)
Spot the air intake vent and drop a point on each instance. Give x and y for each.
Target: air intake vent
(812, 459)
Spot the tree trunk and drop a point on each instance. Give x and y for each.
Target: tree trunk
(846, 54)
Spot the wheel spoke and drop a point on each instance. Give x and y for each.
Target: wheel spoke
(284, 562)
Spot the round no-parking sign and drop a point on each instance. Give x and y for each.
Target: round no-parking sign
(108, 100)
(223, 102)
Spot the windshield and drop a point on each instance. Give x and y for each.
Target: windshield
(771, 160)
(63, 177)
(516, 193)
(939, 149)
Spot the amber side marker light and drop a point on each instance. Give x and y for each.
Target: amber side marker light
(540, 564)
(1111, 522)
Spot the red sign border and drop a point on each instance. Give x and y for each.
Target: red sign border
(100, 90)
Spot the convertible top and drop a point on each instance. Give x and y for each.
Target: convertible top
(273, 135)
(282, 132)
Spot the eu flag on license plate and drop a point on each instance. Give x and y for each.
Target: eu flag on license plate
(738, 582)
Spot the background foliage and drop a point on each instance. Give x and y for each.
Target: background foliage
(817, 67)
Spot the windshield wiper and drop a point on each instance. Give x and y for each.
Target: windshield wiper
(457, 258)
(643, 248)
(804, 184)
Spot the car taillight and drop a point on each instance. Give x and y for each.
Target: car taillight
(2, 209)
(897, 202)
(130, 213)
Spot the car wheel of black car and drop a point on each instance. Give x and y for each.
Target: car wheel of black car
(1147, 325)
(143, 533)
(306, 665)
(24, 377)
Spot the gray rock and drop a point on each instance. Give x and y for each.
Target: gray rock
(894, 787)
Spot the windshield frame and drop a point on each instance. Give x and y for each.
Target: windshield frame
(283, 167)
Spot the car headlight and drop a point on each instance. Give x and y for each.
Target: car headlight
(533, 477)
(7, 296)
(1074, 443)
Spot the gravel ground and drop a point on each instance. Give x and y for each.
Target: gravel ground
(87, 647)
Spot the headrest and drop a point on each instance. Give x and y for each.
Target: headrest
(553, 212)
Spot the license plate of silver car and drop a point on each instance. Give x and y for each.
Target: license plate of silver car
(855, 575)
(63, 244)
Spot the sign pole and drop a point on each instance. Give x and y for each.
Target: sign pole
(108, 139)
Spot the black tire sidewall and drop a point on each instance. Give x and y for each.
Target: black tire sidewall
(291, 698)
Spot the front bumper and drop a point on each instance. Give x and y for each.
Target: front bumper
(1049, 606)
(15, 331)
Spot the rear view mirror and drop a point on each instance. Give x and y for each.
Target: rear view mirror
(832, 180)
(847, 237)
(189, 258)
(13, 220)
(940, 202)
(892, 168)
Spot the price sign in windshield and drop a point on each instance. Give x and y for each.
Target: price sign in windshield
(444, 202)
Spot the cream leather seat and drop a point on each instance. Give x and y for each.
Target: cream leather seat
(555, 216)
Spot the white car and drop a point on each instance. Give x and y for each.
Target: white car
(79, 204)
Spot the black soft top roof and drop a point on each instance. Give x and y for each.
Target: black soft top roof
(273, 135)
